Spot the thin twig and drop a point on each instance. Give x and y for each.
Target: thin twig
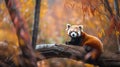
(116, 7)
(107, 5)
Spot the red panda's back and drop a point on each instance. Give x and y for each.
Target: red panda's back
(95, 43)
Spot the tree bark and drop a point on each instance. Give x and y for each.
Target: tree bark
(27, 58)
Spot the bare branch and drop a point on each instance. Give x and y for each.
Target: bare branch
(36, 23)
(106, 3)
(116, 7)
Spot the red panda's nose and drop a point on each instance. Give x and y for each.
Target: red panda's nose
(73, 35)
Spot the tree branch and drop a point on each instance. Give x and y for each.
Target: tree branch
(116, 7)
(53, 50)
(36, 23)
(106, 4)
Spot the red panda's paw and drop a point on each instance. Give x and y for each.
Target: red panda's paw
(67, 43)
(89, 59)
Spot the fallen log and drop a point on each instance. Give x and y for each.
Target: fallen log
(107, 59)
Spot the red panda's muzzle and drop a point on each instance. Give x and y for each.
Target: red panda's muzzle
(74, 34)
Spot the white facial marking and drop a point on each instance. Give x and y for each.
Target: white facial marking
(68, 26)
(73, 34)
(69, 31)
(79, 33)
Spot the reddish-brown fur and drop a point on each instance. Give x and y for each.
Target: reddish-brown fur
(95, 43)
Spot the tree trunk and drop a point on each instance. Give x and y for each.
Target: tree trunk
(27, 58)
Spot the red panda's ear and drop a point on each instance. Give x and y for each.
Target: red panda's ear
(68, 26)
(81, 27)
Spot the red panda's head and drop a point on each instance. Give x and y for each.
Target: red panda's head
(74, 30)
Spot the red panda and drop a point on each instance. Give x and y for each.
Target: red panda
(92, 44)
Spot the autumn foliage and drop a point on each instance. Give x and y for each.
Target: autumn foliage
(100, 18)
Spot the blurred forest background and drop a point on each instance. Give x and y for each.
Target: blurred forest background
(98, 20)
(54, 16)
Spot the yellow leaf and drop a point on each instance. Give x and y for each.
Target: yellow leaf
(89, 65)
(117, 33)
